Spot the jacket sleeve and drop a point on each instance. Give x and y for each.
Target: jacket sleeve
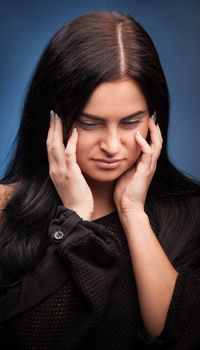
(82, 263)
(182, 325)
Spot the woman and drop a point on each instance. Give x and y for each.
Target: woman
(99, 236)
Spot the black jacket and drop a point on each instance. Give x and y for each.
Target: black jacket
(83, 295)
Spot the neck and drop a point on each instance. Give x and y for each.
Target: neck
(103, 197)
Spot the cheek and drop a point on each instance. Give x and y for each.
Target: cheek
(80, 150)
(132, 146)
(133, 150)
(84, 146)
(144, 129)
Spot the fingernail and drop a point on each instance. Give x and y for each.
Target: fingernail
(51, 114)
(154, 116)
(138, 133)
(74, 131)
(55, 115)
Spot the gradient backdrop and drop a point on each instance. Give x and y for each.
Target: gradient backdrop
(174, 25)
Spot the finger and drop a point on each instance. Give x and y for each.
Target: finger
(49, 144)
(50, 137)
(70, 150)
(155, 138)
(58, 130)
(159, 131)
(55, 146)
(147, 152)
(51, 129)
(155, 133)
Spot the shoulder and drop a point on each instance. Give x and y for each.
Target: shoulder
(6, 192)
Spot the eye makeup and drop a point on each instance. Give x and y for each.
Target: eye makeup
(88, 124)
(128, 124)
(131, 123)
(90, 121)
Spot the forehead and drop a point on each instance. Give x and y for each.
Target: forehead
(117, 98)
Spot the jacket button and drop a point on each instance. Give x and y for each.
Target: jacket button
(58, 235)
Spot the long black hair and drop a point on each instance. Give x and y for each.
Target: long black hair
(94, 48)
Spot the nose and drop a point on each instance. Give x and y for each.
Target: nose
(111, 142)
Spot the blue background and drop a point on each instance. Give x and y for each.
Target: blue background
(174, 25)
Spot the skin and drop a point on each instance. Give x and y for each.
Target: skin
(76, 175)
(112, 137)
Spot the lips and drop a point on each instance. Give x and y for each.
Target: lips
(107, 163)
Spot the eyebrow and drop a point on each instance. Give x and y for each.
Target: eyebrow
(95, 117)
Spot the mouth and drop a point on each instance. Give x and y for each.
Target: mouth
(107, 163)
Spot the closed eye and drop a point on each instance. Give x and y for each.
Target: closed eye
(91, 125)
(87, 124)
(131, 123)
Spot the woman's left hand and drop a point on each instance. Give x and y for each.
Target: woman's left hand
(131, 188)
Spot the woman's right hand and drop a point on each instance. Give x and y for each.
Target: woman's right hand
(65, 172)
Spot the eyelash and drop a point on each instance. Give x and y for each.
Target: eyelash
(89, 125)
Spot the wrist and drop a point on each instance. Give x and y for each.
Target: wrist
(128, 213)
(133, 218)
(84, 214)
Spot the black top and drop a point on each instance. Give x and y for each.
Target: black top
(83, 295)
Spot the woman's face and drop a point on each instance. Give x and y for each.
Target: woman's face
(106, 146)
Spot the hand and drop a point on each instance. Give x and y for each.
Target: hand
(65, 172)
(131, 188)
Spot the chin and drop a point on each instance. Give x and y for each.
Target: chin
(103, 176)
